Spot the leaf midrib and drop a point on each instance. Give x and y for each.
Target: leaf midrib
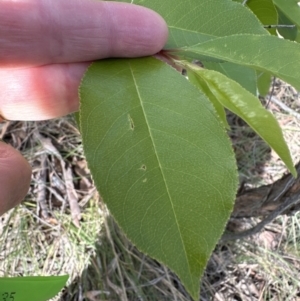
(161, 169)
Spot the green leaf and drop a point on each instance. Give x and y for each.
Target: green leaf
(289, 33)
(76, 117)
(265, 11)
(290, 9)
(263, 53)
(204, 88)
(191, 22)
(194, 21)
(263, 83)
(246, 77)
(31, 288)
(160, 159)
(239, 101)
(298, 37)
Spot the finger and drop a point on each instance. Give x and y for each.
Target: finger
(59, 31)
(40, 93)
(15, 175)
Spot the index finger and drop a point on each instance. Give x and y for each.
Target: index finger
(38, 32)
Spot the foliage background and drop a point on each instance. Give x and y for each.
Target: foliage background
(40, 237)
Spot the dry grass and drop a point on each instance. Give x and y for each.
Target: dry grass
(63, 227)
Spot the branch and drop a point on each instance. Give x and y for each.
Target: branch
(269, 201)
(264, 200)
(284, 107)
(289, 203)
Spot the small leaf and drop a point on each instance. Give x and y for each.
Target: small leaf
(263, 53)
(289, 33)
(263, 83)
(31, 288)
(239, 101)
(245, 76)
(265, 11)
(200, 83)
(290, 9)
(152, 141)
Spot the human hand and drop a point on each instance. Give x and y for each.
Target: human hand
(45, 48)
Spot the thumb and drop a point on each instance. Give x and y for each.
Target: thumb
(15, 175)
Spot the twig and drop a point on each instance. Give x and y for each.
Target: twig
(291, 201)
(122, 290)
(272, 92)
(284, 107)
(56, 194)
(288, 185)
(172, 288)
(67, 174)
(254, 203)
(41, 220)
(72, 195)
(279, 26)
(41, 193)
(47, 145)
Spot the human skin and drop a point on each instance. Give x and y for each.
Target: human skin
(45, 48)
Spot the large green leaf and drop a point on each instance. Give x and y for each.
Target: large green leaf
(265, 11)
(266, 53)
(244, 104)
(160, 159)
(194, 21)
